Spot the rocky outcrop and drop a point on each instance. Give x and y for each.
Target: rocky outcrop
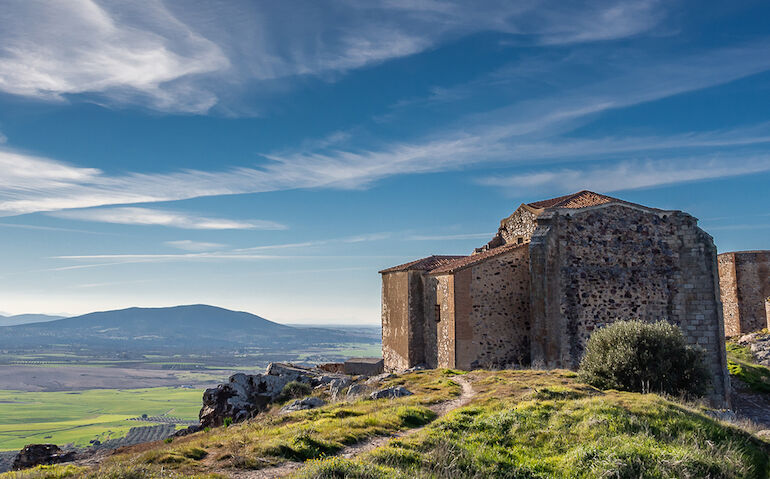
(302, 404)
(246, 395)
(391, 393)
(760, 346)
(40, 454)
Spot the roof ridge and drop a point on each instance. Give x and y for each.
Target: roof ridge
(467, 261)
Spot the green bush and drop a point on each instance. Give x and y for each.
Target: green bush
(644, 357)
(294, 390)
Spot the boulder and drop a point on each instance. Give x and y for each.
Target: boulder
(392, 392)
(290, 372)
(379, 378)
(241, 398)
(302, 404)
(337, 385)
(356, 390)
(40, 454)
(188, 430)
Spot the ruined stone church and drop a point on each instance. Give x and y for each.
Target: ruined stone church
(555, 271)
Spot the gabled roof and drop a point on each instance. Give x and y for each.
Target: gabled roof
(466, 261)
(423, 264)
(581, 199)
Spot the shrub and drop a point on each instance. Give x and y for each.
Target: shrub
(294, 390)
(644, 357)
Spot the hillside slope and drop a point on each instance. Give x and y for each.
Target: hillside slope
(179, 327)
(26, 319)
(518, 424)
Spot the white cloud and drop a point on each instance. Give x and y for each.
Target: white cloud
(175, 219)
(629, 175)
(528, 132)
(125, 51)
(190, 245)
(184, 56)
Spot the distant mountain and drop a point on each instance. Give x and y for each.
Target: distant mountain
(26, 319)
(179, 327)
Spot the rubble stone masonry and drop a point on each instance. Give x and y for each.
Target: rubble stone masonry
(744, 280)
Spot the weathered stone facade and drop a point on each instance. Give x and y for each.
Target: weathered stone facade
(744, 280)
(556, 271)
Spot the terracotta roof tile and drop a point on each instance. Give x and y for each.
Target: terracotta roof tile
(464, 262)
(423, 264)
(580, 199)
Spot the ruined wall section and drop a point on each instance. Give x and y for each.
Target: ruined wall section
(499, 319)
(517, 228)
(728, 286)
(753, 271)
(617, 262)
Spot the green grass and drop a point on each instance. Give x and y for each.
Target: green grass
(79, 416)
(741, 365)
(558, 431)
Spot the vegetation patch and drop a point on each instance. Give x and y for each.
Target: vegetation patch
(561, 431)
(740, 363)
(644, 357)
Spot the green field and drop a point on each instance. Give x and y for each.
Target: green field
(80, 416)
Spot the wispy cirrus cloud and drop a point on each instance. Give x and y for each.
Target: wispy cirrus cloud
(525, 133)
(174, 56)
(155, 217)
(190, 245)
(628, 175)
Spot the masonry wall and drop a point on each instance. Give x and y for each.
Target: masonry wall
(519, 226)
(403, 329)
(496, 302)
(728, 286)
(616, 262)
(753, 285)
(445, 327)
(431, 321)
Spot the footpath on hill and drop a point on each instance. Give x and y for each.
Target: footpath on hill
(354, 450)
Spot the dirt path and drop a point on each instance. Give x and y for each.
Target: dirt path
(356, 449)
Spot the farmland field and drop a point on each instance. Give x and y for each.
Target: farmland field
(80, 416)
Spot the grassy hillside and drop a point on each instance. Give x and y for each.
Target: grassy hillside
(519, 424)
(80, 416)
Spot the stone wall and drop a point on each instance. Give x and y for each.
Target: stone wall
(499, 316)
(729, 294)
(403, 329)
(445, 327)
(744, 279)
(519, 227)
(593, 266)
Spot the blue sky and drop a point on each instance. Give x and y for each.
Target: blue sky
(273, 156)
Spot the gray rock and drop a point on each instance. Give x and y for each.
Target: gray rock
(241, 398)
(392, 392)
(40, 454)
(290, 372)
(311, 402)
(379, 378)
(337, 385)
(723, 415)
(355, 391)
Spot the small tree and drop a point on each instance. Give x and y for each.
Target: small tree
(644, 357)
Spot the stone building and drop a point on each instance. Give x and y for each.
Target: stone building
(744, 280)
(555, 271)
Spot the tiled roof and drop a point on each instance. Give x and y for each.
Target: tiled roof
(464, 262)
(580, 199)
(423, 264)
